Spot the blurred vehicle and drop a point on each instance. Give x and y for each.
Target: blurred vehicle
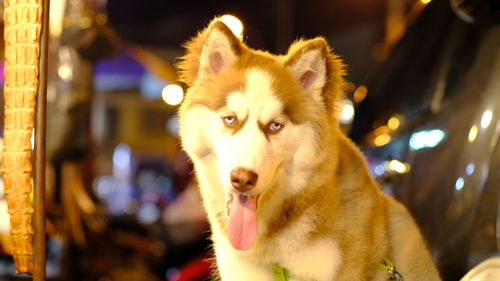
(430, 128)
(487, 270)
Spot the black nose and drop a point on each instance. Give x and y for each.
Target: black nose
(243, 179)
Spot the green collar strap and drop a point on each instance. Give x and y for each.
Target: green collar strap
(283, 274)
(389, 267)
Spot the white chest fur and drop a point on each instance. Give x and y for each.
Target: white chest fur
(317, 260)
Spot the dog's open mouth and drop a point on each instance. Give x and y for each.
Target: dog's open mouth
(242, 227)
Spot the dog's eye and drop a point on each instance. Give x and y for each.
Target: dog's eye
(275, 127)
(229, 120)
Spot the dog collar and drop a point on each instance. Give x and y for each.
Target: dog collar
(282, 274)
(389, 267)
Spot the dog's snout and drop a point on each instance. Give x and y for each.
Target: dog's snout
(243, 179)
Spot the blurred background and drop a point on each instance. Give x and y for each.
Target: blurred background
(423, 102)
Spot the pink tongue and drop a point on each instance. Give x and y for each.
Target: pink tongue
(242, 221)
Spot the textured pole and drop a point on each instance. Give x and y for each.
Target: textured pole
(22, 21)
(39, 181)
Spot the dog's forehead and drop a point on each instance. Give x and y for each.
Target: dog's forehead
(254, 83)
(258, 97)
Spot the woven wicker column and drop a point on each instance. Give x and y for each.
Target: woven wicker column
(23, 22)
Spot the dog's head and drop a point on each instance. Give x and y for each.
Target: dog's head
(250, 116)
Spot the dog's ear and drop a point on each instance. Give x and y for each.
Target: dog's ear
(211, 51)
(316, 68)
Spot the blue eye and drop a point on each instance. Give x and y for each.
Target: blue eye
(275, 127)
(229, 120)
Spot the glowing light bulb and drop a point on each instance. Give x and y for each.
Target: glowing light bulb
(426, 138)
(470, 169)
(486, 119)
(172, 94)
(360, 93)
(65, 72)
(122, 155)
(459, 184)
(379, 170)
(473, 133)
(393, 123)
(398, 166)
(382, 140)
(347, 112)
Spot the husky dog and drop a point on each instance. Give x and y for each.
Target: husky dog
(288, 196)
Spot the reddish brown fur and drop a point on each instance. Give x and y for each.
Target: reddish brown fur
(188, 67)
(333, 89)
(341, 198)
(297, 107)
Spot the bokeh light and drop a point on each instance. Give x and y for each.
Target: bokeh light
(398, 166)
(347, 112)
(234, 24)
(65, 72)
(473, 133)
(393, 123)
(486, 119)
(172, 94)
(426, 139)
(360, 93)
(382, 140)
(470, 168)
(459, 184)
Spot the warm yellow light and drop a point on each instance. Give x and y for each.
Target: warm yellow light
(234, 24)
(472, 133)
(65, 72)
(398, 166)
(486, 119)
(4, 218)
(85, 22)
(101, 19)
(382, 140)
(425, 2)
(382, 130)
(360, 93)
(393, 123)
(347, 112)
(57, 8)
(172, 94)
